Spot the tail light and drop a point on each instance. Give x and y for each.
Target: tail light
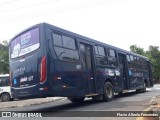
(43, 70)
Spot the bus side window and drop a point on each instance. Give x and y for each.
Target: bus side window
(4, 81)
(101, 59)
(112, 53)
(65, 48)
(128, 58)
(129, 61)
(96, 50)
(101, 51)
(69, 42)
(57, 39)
(144, 64)
(132, 61)
(135, 62)
(112, 57)
(138, 63)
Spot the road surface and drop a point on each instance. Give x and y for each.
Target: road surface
(127, 102)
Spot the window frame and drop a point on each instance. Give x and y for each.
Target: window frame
(63, 47)
(114, 58)
(99, 51)
(61, 39)
(4, 82)
(61, 34)
(110, 49)
(100, 56)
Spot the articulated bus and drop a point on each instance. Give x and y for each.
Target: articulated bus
(49, 61)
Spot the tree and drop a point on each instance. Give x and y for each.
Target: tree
(4, 58)
(5, 43)
(137, 49)
(154, 55)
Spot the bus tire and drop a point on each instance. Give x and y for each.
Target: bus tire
(143, 89)
(76, 99)
(108, 92)
(5, 97)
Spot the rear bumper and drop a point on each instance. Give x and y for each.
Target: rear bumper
(35, 91)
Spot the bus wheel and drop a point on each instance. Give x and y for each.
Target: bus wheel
(143, 89)
(108, 92)
(5, 97)
(76, 99)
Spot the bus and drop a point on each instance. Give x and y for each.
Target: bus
(46, 61)
(5, 91)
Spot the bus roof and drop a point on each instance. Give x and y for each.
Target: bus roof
(81, 37)
(94, 41)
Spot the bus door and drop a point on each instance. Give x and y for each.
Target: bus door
(123, 69)
(87, 63)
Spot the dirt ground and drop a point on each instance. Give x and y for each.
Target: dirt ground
(154, 108)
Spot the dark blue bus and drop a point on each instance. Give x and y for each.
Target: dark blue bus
(49, 61)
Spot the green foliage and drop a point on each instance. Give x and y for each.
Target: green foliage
(4, 59)
(5, 43)
(137, 49)
(153, 54)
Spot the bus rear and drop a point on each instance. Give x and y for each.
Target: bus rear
(28, 64)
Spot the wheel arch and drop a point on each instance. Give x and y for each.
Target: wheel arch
(111, 81)
(110, 96)
(5, 93)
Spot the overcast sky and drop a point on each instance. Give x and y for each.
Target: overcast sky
(117, 22)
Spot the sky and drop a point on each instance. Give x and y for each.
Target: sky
(120, 23)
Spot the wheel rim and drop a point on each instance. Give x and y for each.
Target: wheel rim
(109, 92)
(5, 97)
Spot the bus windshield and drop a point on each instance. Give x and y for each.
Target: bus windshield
(25, 43)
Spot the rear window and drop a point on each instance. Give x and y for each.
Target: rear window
(25, 43)
(4, 81)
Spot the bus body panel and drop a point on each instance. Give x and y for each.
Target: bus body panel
(5, 89)
(111, 74)
(66, 77)
(26, 77)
